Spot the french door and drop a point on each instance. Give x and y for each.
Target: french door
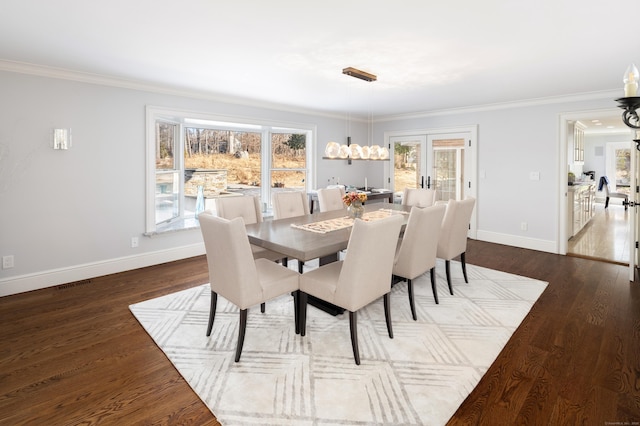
(430, 161)
(441, 159)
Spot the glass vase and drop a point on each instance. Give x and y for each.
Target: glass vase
(356, 210)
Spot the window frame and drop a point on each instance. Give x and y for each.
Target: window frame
(185, 118)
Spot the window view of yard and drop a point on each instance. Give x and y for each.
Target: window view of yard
(223, 162)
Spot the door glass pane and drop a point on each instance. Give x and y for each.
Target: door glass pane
(448, 168)
(445, 173)
(623, 170)
(407, 166)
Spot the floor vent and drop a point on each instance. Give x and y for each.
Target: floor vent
(74, 284)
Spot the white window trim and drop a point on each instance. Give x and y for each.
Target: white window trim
(186, 117)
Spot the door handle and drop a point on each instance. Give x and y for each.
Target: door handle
(421, 181)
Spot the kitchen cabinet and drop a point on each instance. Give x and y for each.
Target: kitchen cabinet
(580, 208)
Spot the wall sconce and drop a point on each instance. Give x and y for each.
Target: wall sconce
(61, 138)
(631, 102)
(630, 80)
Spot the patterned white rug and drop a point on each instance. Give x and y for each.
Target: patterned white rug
(421, 376)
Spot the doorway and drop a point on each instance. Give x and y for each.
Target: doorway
(604, 233)
(441, 159)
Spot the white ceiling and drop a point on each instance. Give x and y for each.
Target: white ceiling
(428, 55)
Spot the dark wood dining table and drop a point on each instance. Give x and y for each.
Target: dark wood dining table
(303, 245)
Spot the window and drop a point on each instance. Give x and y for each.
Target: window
(225, 158)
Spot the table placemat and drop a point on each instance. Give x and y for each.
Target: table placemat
(329, 225)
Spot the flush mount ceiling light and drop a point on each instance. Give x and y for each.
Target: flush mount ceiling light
(335, 151)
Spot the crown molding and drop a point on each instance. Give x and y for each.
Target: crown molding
(103, 80)
(578, 97)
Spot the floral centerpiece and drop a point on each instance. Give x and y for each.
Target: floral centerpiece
(351, 197)
(353, 201)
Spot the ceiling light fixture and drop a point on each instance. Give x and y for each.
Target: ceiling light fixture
(362, 75)
(335, 151)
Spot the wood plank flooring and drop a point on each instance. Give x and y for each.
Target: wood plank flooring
(606, 236)
(74, 354)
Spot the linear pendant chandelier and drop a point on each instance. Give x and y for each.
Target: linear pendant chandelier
(353, 151)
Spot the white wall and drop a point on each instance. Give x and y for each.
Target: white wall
(513, 141)
(70, 215)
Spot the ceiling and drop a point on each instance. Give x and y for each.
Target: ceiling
(428, 56)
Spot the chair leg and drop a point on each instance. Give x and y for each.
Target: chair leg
(353, 326)
(296, 309)
(262, 307)
(387, 314)
(411, 303)
(212, 312)
(463, 262)
(285, 262)
(241, 331)
(300, 266)
(447, 267)
(606, 202)
(302, 314)
(433, 284)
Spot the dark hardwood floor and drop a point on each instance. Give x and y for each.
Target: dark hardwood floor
(74, 354)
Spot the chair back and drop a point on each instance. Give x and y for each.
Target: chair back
(417, 251)
(330, 199)
(289, 204)
(418, 197)
(232, 270)
(366, 270)
(246, 207)
(455, 228)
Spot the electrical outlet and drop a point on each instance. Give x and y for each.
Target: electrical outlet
(523, 226)
(134, 242)
(7, 262)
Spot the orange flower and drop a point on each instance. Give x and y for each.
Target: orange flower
(349, 198)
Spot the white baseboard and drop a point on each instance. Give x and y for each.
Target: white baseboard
(36, 281)
(517, 241)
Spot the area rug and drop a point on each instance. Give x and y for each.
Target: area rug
(420, 377)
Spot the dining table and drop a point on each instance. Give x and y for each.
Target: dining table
(319, 235)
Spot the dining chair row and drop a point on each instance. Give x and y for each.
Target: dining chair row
(373, 256)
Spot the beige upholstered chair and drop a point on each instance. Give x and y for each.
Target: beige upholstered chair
(248, 208)
(453, 236)
(236, 276)
(362, 277)
(418, 197)
(416, 253)
(330, 199)
(289, 204)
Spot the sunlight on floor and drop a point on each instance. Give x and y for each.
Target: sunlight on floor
(606, 236)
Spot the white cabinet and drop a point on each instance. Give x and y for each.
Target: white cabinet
(580, 208)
